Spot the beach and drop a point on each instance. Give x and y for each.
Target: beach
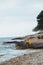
(35, 58)
(15, 55)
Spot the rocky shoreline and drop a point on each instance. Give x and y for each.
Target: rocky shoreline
(36, 39)
(35, 58)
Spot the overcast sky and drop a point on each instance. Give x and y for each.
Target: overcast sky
(18, 17)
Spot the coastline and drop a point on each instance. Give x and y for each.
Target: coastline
(35, 58)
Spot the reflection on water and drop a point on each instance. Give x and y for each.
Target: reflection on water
(8, 51)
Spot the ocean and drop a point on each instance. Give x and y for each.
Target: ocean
(8, 51)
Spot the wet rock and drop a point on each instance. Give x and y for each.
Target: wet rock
(18, 38)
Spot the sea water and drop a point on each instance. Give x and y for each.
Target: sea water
(8, 51)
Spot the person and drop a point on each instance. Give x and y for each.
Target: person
(29, 42)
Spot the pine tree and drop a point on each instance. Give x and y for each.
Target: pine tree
(40, 22)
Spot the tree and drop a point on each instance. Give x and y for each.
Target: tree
(40, 22)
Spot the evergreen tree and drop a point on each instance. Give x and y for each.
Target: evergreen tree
(40, 22)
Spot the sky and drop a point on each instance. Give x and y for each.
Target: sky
(18, 17)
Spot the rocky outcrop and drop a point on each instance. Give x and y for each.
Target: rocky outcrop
(37, 41)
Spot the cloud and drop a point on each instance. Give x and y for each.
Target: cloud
(19, 7)
(18, 29)
(18, 17)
